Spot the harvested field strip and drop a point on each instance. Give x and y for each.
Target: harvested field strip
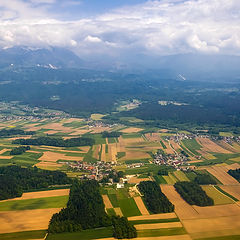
(141, 206)
(118, 211)
(27, 220)
(182, 208)
(155, 221)
(220, 172)
(202, 226)
(106, 201)
(54, 157)
(227, 210)
(181, 176)
(129, 207)
(153, 233)
(103, 153)
(211, 146)
(231, 191)
(153, 217)
(41, 194)
(158, 225)
(217, 196)
(96, 150)
(37, 203)
(39, 234)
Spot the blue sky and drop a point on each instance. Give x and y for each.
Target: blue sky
(123, 28)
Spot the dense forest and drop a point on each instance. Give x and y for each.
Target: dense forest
(85, 209)
(14, 180)
(19, 150)
(122, 228)
(14, 131)
(204, 179)
(235, 173)
(154, 199)
(56, 142)
(193, 194)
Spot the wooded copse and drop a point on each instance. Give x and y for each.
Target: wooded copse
(193, 194)
(154, 198)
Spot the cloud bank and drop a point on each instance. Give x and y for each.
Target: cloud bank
(154, 28)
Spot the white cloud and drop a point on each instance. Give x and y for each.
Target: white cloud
(153, 28)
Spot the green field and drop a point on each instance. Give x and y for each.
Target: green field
(84, 235)
(159, 179)
(136, 222)
(129, 207)
(39, 234)
(161, 232)
(113, 199)
(38, 203)
(192, 145)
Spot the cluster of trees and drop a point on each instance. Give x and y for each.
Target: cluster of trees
(115, 176)
(56, 142)
(163, 172)
(106, 134)
(154, 198)
(85, 209)
(122, 228)
(235, 173)
(14, 131)
(14, 180)
(204, 179)
(19, 150)
(192, 193)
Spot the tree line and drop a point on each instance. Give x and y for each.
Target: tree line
(14, 131)
(154, 198)
(56, 142)
(14, 180)
(106, 134)
(193, 194)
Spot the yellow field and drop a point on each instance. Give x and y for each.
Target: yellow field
(131, 130)
(97, 116)
(142, 208)
(118, 211)
(26, 220)
(218, 197)
(180, 176)
(170, 179)
(175, 237)
(153, 216)
(103, 154)
(54, 157)
(135, 180)
(130, 155)
(107, 202)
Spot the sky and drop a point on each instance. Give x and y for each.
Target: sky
(123, 27)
